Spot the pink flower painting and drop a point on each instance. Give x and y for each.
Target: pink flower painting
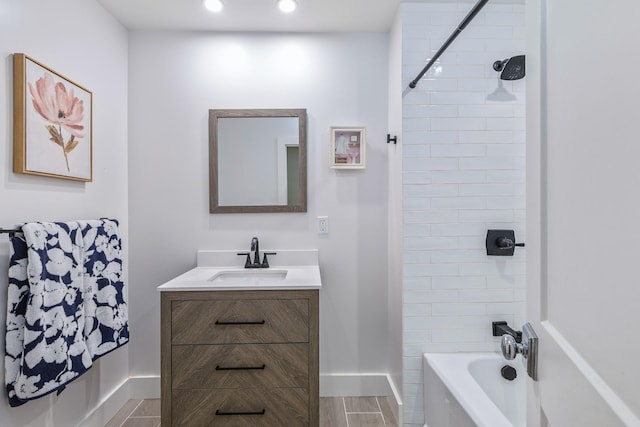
(61, 109)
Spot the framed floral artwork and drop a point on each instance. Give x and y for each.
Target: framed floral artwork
(347, 148)
(52, 123)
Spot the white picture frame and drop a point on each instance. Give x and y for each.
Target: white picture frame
(348, 147)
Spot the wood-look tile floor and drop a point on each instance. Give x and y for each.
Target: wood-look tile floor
(334, 412)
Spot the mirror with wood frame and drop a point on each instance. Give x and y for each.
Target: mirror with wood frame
(257, 160)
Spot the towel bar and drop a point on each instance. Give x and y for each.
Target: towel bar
(6, 231)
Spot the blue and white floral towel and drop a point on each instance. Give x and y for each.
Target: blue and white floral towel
(17, 299)
(49, 350)
(65, 305)
(106, 315)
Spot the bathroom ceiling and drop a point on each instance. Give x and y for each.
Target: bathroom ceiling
(255, 15)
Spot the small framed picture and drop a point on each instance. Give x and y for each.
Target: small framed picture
(52, 123)
(347, 147)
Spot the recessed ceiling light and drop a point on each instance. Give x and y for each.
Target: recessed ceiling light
(213, 5)
(287, 6)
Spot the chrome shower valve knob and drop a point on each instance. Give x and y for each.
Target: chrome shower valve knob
(528, 347)
(511, 348)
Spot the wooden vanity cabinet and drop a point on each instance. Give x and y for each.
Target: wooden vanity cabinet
(240, 358)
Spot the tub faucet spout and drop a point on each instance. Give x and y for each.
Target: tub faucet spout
(501, 328)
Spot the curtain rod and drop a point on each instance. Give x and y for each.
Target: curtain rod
(472, 14)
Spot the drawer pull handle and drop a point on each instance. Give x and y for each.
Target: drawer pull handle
(218, 322)
(219, 412)
(241, 368)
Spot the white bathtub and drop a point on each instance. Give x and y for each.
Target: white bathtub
(467, 389)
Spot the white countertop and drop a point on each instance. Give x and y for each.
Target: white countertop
(224, 271)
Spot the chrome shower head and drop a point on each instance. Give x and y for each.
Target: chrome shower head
(512, 68)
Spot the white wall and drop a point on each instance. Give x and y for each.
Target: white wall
(394, 153)
(175, 78)
(78, 39)
(463, 173)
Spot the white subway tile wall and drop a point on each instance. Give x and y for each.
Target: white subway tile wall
(463, 173)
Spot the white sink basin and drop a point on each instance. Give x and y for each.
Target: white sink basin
(220, 270)
(249, 276)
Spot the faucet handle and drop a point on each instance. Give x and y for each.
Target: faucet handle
(247, 263)
(265, 261)
(511, 348)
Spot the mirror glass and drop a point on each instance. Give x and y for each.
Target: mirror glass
(258, 160)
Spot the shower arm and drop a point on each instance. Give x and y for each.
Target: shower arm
(472, 14)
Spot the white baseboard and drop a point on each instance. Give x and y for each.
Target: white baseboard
(132, 388)
(109, 406)
(331, 385)
(396, 402)
(336, 385)
(144, 387)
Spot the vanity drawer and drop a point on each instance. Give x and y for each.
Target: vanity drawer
(239, 321)
(240, 365)
(266, 408)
